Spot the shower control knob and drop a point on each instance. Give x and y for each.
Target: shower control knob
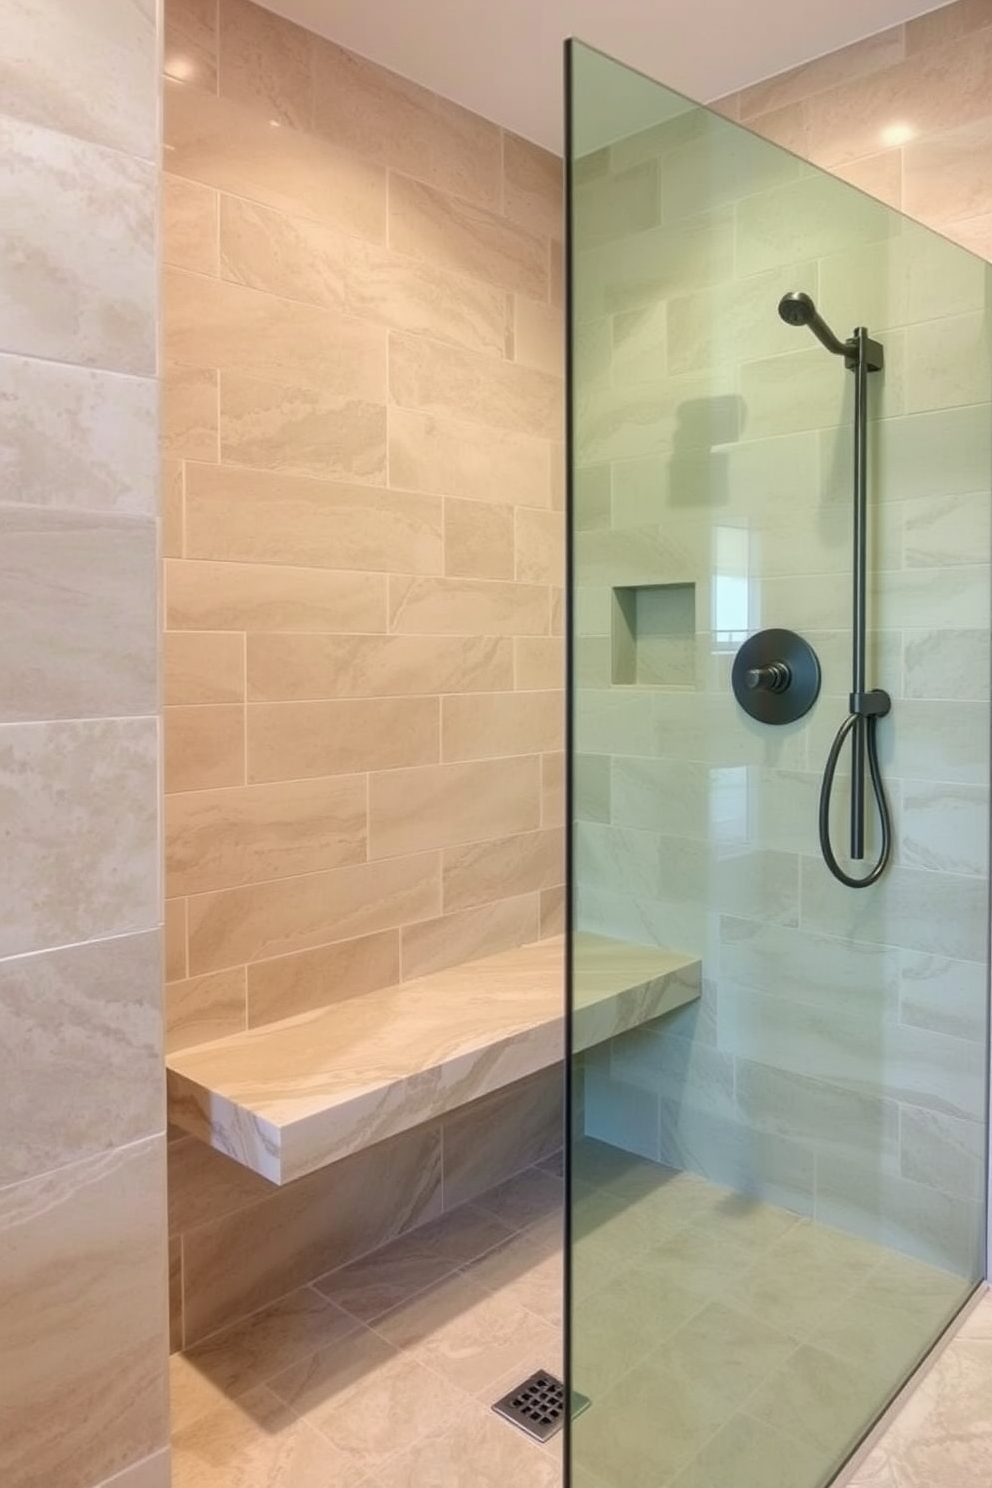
(776, 676)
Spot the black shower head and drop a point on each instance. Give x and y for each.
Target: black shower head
(797, 309)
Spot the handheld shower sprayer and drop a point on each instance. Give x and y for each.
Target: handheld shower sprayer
(797, 309)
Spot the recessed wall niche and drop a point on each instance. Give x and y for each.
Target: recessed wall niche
(654, 635)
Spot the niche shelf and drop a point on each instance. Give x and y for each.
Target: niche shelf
(654, 635)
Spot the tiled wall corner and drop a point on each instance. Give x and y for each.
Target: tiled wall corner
(83, 1327)
(363, 354)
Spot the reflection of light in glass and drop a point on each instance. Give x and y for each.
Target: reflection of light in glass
(179, 67)
(897, 134)
(732, 620)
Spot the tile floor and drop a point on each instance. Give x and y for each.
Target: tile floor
(381, 1375)
(725, 1343)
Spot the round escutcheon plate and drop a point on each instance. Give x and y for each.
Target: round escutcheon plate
(776, 676)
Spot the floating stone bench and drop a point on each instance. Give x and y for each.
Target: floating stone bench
(287, 1098)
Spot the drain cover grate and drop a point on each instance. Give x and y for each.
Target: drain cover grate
(538, 1405)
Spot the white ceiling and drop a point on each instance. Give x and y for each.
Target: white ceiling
(503, 58)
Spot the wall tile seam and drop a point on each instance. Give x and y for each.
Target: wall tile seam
(855, 45)
(149, 379)
(150, 161)
(149, 1139)
(25, 956)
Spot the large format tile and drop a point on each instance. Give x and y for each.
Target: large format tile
(441, 805)
(69, 1012)
(77, 259)
(88, 72)
(286, 668)
(77, 437)
(264, 62)
(82, 1316)
(466, 239)
(301, 430)
(369, 1399)
(256, 1439)
(293, 741)
(81, 869)
(229, 145)
(447, 455)
(447, 382)
(478, 1452)
(283, 986)
(79, 612)
(327, 1219)
(270, 597)
(380, 1282)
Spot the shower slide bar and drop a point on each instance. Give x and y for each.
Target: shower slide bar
(862, 356)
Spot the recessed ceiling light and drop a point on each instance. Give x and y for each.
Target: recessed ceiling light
(897, 134)
(276, 123)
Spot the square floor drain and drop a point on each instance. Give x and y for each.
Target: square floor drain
(538, 1406)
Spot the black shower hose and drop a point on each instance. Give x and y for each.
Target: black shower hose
(826, 791)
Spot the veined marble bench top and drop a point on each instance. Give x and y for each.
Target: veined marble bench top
(287, 1098)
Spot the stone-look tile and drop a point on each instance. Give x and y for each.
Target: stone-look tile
(912, 89)
(270, 1341)
(539, 663)
(750, 1454)
(944, 827)
(478, 540)
(190, 413)
(880, 175)
(820, 1399)
(89, 1241)
(529, 1268)
(448, 382)
(553, 911)
(204, 747)
(171, 519)
(198, 1009)
(89, 577)
(487, 725)
(454, 458)
(327, 1219)
(380, 1282)
(67, 1012)
(287, 985)
(151, 1472)
(204, 1185)
(288, 741)
(77, 437)
(91, 73)
(533, 1196)
(370, 1400)
(233, 147)
(77, 250)
(203, 667)
(189, 225)
(470, 1336)
(540, 547)
(271, 597)
(302, 259)
(877, 53)
(382, 115)
(478, 1452)
(533, 181)
(264, 62)
(429, 606)
(250, 516)
(973, 233)
(465, 239)
(191, 42)
(946, 24)
(539, 336)
(256, 1439)
(235, 926)
(245, 332)
(478, 872)
(284, 668)
(222, 839)
(301, 430)
(494, 1138)
(440, 806)
(78, 866)
(175, 1294)
(175, 939)
(468, 934)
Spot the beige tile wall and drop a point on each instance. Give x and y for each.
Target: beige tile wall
(363, 393)
(83, 1341)
(363, 352)
(906, 115)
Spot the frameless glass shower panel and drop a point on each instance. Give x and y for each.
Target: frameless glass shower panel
(778, 1187)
